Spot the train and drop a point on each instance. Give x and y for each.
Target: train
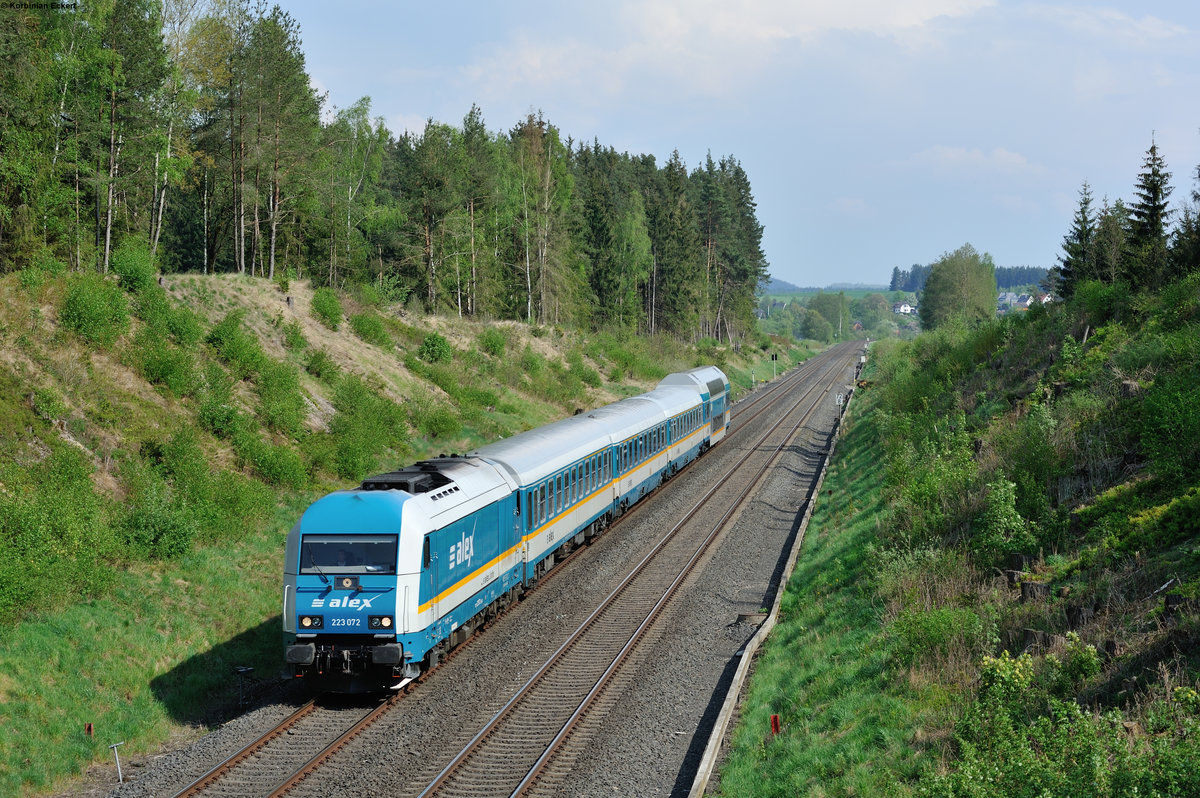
(382, 581)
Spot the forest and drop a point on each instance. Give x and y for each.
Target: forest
(192, 130)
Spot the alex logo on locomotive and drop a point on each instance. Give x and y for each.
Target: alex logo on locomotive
(462, 551)
(359, 604)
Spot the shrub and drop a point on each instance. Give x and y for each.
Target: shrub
(95, 308)
(435, 349)
(236, 346)
(321, 365)
(293, 336)
(216, 412)
(134, 266)
(47, 404)
(163, 364)
(493, 341)
(583, 372)
(440, 422)
(184, 326)
(366, 424)
(155, 524)
(369, 327)
(1170, 427)
(282, 406)
(1000, 528)
(327, 307)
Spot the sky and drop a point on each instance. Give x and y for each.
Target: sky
(876, 133)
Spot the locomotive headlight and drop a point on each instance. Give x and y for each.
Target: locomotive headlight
(312, 621)
(379, 621)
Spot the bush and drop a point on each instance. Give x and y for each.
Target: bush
(47, 404)
(293, 336)
(493, 341)
(369, 327)
(163, 364)
(216, 412)
(282, 407)
(366, 425)
(440, 422)
(134, 266)
(327, 307)
(236, 346)
(95, 308)
(435, 349)
(155, 524)
(55, 533)
(321, 365)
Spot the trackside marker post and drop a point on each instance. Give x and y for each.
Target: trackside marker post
(120, 778)
(774, 725)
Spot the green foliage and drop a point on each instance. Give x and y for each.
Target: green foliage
(156, 524)
(55, 535)
(435, 420)
(581, 371)
(321, 365)
(281, 405)
(435, 349)
(134, 266)
(277, 465)
(95, 308)
(493, 341)
(925, 635)
(47, 404)
(238, 347)
(164, 364)
(1169, 427)
(961, 285)
(327, 307)
(216, 412)
(293, 336)
(369, 327)
(367, 424)
(1000, 529)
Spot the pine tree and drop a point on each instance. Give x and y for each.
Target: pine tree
(1078, 261)
(1147, 265)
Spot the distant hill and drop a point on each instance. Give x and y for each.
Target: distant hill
(775, 286)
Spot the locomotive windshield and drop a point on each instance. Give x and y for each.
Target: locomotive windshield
(348, 554)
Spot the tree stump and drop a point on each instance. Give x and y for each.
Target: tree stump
(1034, 591)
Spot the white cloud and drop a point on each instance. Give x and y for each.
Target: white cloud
(1107, 27)
(399, 123)
(970, 162)
(696, 47)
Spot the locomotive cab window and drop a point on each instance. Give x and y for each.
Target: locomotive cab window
(348, 554)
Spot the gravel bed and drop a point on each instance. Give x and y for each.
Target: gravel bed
(657, 730)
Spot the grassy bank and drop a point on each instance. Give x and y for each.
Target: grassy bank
(848, 726)
(999, 593)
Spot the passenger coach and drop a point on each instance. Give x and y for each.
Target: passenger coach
(380, 581)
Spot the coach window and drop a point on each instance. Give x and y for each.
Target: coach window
(529, 510)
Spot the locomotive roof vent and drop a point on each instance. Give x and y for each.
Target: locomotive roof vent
(409, 480)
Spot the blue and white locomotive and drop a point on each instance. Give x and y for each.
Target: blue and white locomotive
(382, 580)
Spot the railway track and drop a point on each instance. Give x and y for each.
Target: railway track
(530, 740)
(303, 743)
(268, 765)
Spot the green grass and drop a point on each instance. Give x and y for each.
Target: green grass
(157, 647)
(849, 725)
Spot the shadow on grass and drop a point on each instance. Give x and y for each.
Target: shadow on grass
(207, 688)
